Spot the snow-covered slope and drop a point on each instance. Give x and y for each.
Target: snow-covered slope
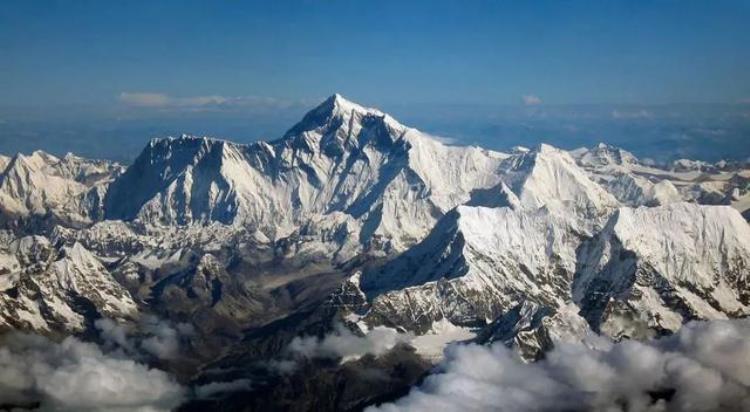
(514, 241)
(477, 263)
(549, 178)
(68, 190)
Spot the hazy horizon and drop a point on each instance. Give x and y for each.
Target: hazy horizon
(660, 132)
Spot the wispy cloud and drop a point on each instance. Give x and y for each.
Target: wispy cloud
(531, 100)
(144, 99)
(204, 103)
(445, 139)
(631, 114)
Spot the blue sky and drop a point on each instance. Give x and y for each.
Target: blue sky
(79, 61)
(65, 52)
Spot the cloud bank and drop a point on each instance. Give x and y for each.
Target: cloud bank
(704, 367)
(76, 376)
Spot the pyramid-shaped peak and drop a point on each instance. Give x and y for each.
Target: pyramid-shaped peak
(336, 111)
(35, 160)
(338, 104)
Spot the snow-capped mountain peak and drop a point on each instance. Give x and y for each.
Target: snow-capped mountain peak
(337, 125)
(394, 181)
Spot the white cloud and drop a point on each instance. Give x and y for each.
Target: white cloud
(152, 335)
(164, 340)
(531, 100)
(76, 376)
(631, 114)
(342, 343)
(144, 99)
(202, 103)
(704, 367)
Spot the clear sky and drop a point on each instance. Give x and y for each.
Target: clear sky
(247, 69)
(62, 52)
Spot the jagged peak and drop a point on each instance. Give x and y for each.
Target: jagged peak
(192, 148)
(189, 138)
(37, 155)
(526, 160)
(37, 160)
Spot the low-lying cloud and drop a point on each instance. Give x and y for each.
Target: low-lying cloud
(704, 367)
(152, 336)
(77, 376)
(343, 343)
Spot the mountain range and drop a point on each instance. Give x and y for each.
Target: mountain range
(352, 223)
